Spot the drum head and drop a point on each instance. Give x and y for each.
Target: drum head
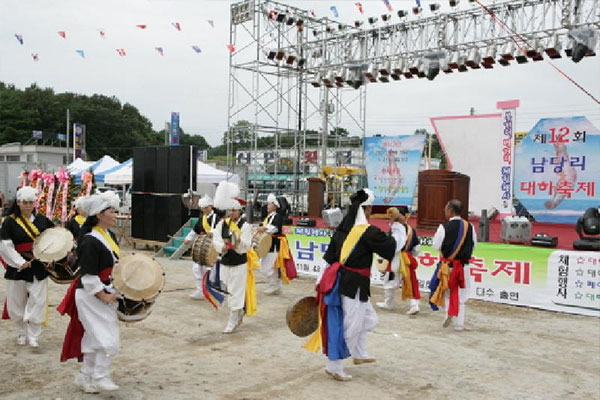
(302, 316)
(138, 277)
(53, 244)
(262, 243)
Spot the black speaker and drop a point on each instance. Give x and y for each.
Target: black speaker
(138, 170)
(149, 169)
(161, 216)
(161, 184)
(179, 169)
(149, 217)
(177, 214)
(137, 216)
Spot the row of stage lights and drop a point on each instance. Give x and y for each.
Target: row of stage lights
(582, 42)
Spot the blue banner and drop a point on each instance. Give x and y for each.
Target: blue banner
(78, 140)
(392, 168)
(174, 134)
(557, 169)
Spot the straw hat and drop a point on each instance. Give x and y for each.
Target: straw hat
(138, 277)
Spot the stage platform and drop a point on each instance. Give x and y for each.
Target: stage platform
(566, 233)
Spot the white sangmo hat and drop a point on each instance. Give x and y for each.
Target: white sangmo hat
(272, 199)
(27, 193)
(225, 196)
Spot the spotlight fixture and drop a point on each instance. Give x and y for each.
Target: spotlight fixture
(385, 71)
(453, 3)
(585, 42)
(521, 57)
(372, 20)
(371, 73)
(328, 79)
(301, 62)
(507, 53)
(271, 54)
(433, 7)
(417, 10)
(357, 24)
(553, 48)
(490, 55)
(340, 75)
(290, 59)
(316, 82)
(350, 76)
(280, 55)
(280, 17)
(386, 17)
(402, 13)
(357, 83)
(316, 32)
(473, 59)
(290, 21)
(433, 63)
(453, 64)
(462, 67)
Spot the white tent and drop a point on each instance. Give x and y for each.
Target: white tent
(119, 175)
(79, 165)
(207, 174)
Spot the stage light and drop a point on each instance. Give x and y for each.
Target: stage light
(316, 33)
(357, 83)
(508, 52)
(290, 59)
(414, 67)
(402, 13)
(371, 73)
(280, 55)
(330, 29)
(350, 76)
(553, 48)
(290, 21)
(385, 71)
(416, 10)
(340, 75)
(280, 17)
(473, 59)
(461, 64)
(453, 3)
(521, 57)
(372, 20)
(397, 68)
(433, 7)
(316, 81)
(433, 62)
(357, 24)
(453, 64)
(490, 55)
(535, 51)
(301, 62)
(328, 79)
(271, 54)
(386, 17)
(585, 42)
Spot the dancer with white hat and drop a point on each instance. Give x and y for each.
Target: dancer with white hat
(272, 224)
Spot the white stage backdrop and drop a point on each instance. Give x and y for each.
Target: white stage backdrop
(475, 146)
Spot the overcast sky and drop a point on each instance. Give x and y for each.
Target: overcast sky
(196, 85)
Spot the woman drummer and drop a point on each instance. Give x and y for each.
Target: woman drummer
(95, 298)
(26, 283)
(75, 223)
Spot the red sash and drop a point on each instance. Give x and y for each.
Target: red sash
(72, 342)
(21, 248)
(412, 269)
(455, 281)
(363, 271)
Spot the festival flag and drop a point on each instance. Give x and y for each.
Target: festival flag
(176, 25)
(81, 53)
(160, 51)
(388, 5)
(35, 56)
(418, 3)
(231, 48)
(334, 11)
(211, 23)
(19, 38)
(197, 49)
(121, 52)
(360, 8)
(272, 14)
(62, 34)
(142, 26)
(212, 290)
(102, 33)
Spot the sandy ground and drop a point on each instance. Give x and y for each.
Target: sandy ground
(179, 352)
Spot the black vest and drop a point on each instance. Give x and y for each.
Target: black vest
(450, 237)
(414, 241)
(232, 257)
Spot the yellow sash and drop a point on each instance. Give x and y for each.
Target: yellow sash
(22, 221)
(444, 273)
(114, 247)
(407, 291)
(205, 224)
(353, 237)
(253, 263)
(80, 219)
(282, 256)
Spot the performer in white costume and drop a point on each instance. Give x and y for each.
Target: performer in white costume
(272, 225)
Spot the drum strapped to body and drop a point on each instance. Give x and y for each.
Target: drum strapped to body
(302, 316)
(139, 279)
(261, 243)
(203, 251)
(54, 248)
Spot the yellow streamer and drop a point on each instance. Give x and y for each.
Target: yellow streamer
(253, 263)
(407, 292)
(282, 256)
(80, 219)
(315, 341)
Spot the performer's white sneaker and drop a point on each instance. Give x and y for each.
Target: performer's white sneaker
(82, 380)
(33, 343)
(383, 305)
(197, 295)
(90, 388)
(106, 384)
(413, 310)
(447, 321)
(21, 340)
(339, 377)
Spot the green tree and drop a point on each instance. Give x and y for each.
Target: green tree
(436, 148)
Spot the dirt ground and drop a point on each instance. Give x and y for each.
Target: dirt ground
(179, 352)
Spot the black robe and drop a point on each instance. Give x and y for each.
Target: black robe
(73, 226)
(276, 221)
(213, 219)
(11, 230)
(93, 256)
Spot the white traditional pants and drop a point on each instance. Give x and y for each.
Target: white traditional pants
(267, 268)
(359, 318)
(234, 279)
(463, 296)
(198, 271)
(26, 304)
(96, 364)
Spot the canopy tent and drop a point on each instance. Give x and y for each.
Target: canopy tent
(207, 174)
(102, 165)
(78, 165)
(117, 175)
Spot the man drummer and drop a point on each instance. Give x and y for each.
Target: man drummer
(93, 332)
(232, 238)
(403, 266)
(205, 225)
(26, 278)
(346, 284)
(272, 225)
(75, 223)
